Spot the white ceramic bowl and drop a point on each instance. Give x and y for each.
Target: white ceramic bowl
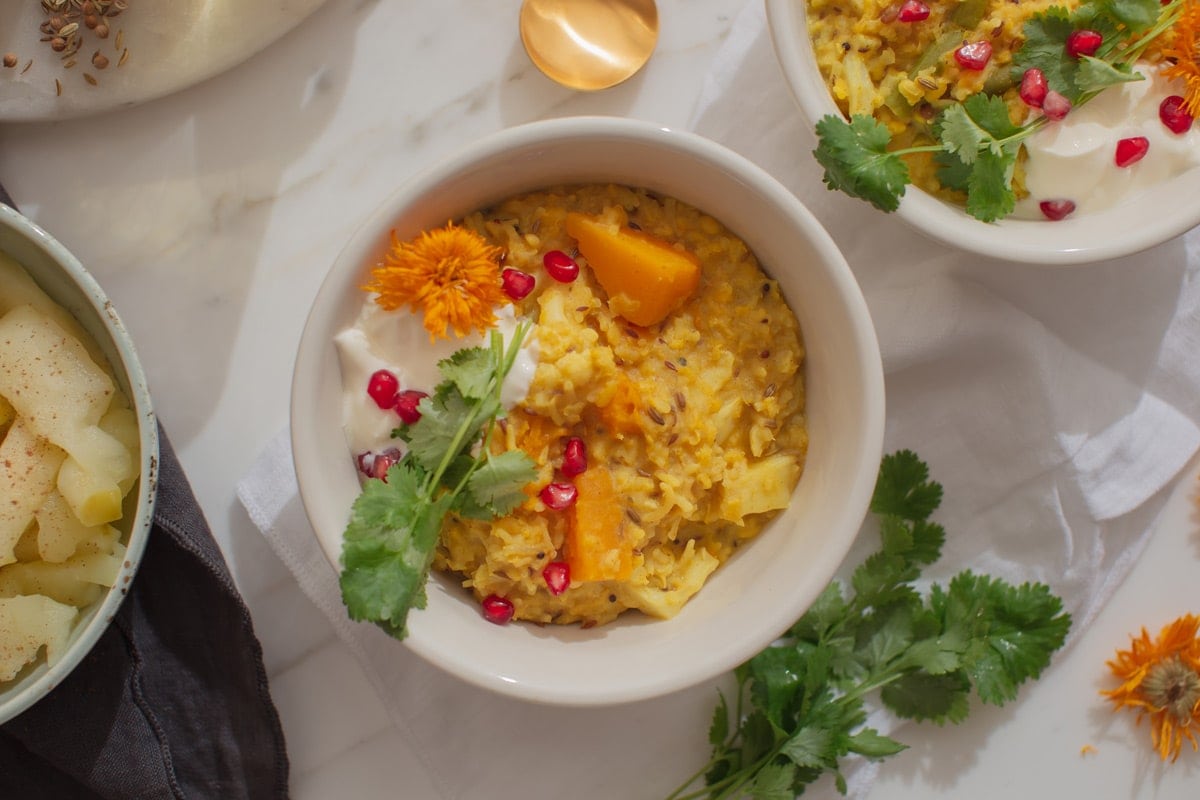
(62, 277)
(755, 596)
(1147, 220)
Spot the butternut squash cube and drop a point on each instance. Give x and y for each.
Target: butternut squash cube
(645, 277)
(597, 548)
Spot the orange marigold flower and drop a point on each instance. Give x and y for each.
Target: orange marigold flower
(1161, 679)
(1183, 55)
(451, 275)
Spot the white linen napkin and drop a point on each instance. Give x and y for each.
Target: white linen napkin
(1057, 406)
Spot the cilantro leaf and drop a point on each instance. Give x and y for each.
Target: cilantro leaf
(774, 782)
(903, 488)
(959, 133)
(857, 162)
(989, 191)
(718, 730)
(921, 696)
(387, 549)
(808, 747)
(470, 370)
(1011, 630)
(1045, 49)
(952, 173)
(1135, 15)
(497, 484)
(1095, 74)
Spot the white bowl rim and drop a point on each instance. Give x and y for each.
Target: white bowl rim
(1073, 241)
(83, 639)
(866, 345)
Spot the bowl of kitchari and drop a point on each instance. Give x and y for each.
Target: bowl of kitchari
(1048, 131)
(587, 413)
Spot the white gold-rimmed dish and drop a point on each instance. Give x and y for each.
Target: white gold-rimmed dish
(1146, 220)
(752, 598)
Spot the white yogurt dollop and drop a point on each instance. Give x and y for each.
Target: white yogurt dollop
(398, 342)
(1074, 159)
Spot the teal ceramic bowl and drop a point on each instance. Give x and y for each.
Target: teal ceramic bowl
(62, 277)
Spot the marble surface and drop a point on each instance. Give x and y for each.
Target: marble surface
(210, 216)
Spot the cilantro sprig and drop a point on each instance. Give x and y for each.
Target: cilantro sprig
(389, 543)
(800, 705)
(975, 144)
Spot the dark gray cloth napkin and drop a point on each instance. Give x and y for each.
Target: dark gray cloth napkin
(173, 700)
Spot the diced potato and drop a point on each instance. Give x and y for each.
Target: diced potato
(27, 624)
(695, 565)
(120, 422)
(860, 88)
(78, 581)
(29, 466)
(18, 289)
(764, 485)
(62, 395)
(59, 531)
(646, 278)
(94, 494)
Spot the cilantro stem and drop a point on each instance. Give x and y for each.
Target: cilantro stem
(504, 360)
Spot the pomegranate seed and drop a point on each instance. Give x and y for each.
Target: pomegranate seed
(974, 55)
(382, 388)
(560, 266)
(516, 284)
(574, 457)
(406, 405)
(1055, 106)
(376, 465)
(1174, 115)
(1131, 150)
(1083, 43)
(559, 495)
(558, 576)
(497, 610)
(1056, 209)
(913, 11)
(1034, 87)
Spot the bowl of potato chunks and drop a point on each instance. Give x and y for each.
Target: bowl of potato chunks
(78, 454)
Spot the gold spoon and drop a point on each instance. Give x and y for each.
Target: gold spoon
(589, 44)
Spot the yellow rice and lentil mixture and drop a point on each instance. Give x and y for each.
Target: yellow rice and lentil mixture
(695, 424)
(905, 73)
